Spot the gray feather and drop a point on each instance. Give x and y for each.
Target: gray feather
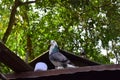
(58, 57)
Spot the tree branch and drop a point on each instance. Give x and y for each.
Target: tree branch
(11, 21)
(12, 18)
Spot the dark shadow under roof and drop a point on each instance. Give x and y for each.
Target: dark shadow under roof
(76, 60)
(100, 72)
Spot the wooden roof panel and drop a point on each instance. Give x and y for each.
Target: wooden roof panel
(98, 72)
(12, 60)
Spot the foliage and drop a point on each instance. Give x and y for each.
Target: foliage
(74, 24)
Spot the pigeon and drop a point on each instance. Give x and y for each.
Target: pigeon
(57, 58)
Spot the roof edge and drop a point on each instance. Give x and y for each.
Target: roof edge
(55, 72)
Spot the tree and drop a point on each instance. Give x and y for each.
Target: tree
(26, 27)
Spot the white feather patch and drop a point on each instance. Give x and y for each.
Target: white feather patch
(71, 66)
(60, 67)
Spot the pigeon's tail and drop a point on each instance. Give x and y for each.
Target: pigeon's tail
(68, 64)
(65, 62)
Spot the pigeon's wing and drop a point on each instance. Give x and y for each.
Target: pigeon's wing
(59, 57)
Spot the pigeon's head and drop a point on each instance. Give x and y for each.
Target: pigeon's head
(53, 47)
(53, 42)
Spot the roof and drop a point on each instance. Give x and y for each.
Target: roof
(11, 60)
(98, 72)
(14, 62)
(86, 70)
